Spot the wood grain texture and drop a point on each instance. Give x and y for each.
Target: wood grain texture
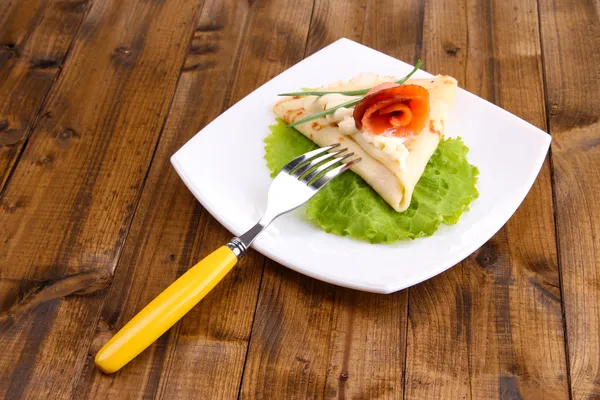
(310, 339)
(492, 326)
(287, 357)
(571, 39)
(275, 40)
(65, 214)
(95, 95)
(34, 39)
(332, 20)
(439, 316)
(203, 355)
(366, 345)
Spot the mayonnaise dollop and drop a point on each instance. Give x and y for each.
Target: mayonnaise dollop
(341, 117)
(393, 146)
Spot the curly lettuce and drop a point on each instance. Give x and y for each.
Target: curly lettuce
(349, 206)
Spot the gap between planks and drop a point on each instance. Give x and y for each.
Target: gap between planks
(554, 206)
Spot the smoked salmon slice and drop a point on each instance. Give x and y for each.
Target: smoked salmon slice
(391, 109)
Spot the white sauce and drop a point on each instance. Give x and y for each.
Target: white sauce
(393, 146)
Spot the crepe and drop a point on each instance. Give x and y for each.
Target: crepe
(392, 166)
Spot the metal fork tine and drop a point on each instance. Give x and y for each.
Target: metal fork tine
(319, 183)
(307, 157)
(323, 167)
(303, 168)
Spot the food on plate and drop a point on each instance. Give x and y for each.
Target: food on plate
(349, 206)
(396, 127)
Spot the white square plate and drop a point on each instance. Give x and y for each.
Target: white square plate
(224, 168)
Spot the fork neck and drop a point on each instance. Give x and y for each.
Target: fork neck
(240, 244)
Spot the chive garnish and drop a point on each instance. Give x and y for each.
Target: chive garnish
(325, 112)
(350, 103)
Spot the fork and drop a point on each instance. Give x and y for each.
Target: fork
(294, 185)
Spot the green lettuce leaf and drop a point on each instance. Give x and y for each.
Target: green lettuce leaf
(348, 205)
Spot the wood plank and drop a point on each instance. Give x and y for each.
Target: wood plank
(332, 20)
(311, 339)
(367, 345)
(437, 339)
(203, 355)
(35, 36)
(368, 340)
(287, 357)
(267, 52)
(492, 326)
(437, 360)
(571, 39)
(66, 212)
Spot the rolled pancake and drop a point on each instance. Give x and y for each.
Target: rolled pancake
(393, 181)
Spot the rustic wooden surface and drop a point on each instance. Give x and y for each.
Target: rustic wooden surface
(95, 95)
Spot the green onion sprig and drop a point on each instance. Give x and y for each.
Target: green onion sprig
(350, 103)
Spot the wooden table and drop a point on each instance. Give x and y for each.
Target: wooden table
(95, 96)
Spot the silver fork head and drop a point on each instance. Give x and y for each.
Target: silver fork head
(294, 185)
(304, 176)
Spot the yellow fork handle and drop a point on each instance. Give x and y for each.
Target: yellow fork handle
(165, 310)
